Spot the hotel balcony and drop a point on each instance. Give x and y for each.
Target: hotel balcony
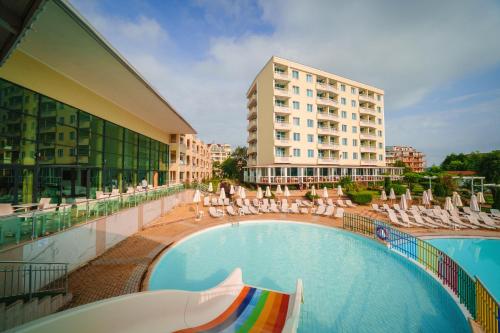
(252, 124)
(367, 111)
(281, 159)
(281, 75)
(282, 125)
(252, 101)
(365, 123)
(328, 145)
(326, 87)
(368, 136)
(252, 137)
(368, 161)
(327, 116)
(326, 101)
(252, 113)
(282, 142)
(327, 130)
(282, 109)
(284, 92)
(367, 98)
(327, 160)
(367, 148)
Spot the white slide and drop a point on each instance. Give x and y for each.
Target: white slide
(172, 310)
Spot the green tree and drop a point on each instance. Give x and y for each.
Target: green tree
(401, 164)
(489, 166)
(412, 178)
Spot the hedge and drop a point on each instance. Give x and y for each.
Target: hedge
(311, 197)
(362, 198)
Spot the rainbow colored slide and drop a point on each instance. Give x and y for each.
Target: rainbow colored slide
(231, 306)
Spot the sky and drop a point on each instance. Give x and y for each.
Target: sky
(437, 61)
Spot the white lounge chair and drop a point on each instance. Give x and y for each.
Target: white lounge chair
(264, 209)
(265, 202)
(495, 213)
(274, 209)
(253, 210)
(320, 210)
(215, 202)
(339, 212)
(247, 202)
(304, 210)
(320, 202)
(376, 208)
(419, 220)
(329, 202)
(341, 203)
(307, 203)
(284, 206)
(256, 203)
(488, 220)
(239, 202)
(386, 207)
(230, 211)
(329, 211)
(294, 208)
(473, 220)
(245, 210)
(396, 206)
(215, 212)
(394, 219)
(226, 202)
(206, 201)
(349, 203)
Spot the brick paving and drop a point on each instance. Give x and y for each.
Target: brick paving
(124, 268)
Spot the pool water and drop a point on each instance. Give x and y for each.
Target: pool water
(478, 256)
(351, 284)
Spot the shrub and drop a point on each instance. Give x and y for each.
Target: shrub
(398, 189)
(362, 198)
(387, 184)
(417, 189)
(311, 197)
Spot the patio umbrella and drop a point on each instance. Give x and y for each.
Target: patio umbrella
(383, 196)
(231, 190)
(474, 206)
(325, 192)
(268, 192)
(408, 194)
(287, 192)
(448, 205)
(313, 191)
(196, 199)
(429, 194)
(243, 195)
(403, 204)
(259, 194)
(339, 191)
(480, 199)
(457, 202)
(278, 189)
(222, 193)
(210, 187)
(425, 199)
(392, 195)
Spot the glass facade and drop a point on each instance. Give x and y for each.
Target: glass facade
(51, 149)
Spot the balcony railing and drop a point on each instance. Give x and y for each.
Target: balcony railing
(281, 159)
(281, 91)
(327, 130)
(251, 125)
(366, 98)
(367, 136)
(282, 125)
(325, 86)
(282, 109)
(368, 122)
(326, 101)
(368, 161)
(313, 179)
(327, 115)
(327, 160)
(282, 142)
(252, 137)
(281, 75)
(252, 101)
(327, 145)
(367, 110)
(252, 113)
(368, 148)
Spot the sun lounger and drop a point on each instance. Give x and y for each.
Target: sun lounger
(294, 208)
(214, 212)
(329, 202)
(386, 207)
(206, 201)
(329, 211)
(446, 221)
(230, 211)
(320, 202)
(419, 220)
(422, 208)
(220, 202)
(341, 203)
(226, 202)
(239, 202)
(473, 220)
(495, 213)
(396, 206)
(320, 210)
(253, 210)
(264, 209)
(467, 210)
(246, 202)
(307, 203)
(245, 210)
(265, 202)
(487, 220)
(272, 201)
(255, 203)
(339, 213)
(284, 206)
(214, 202)
(394, 219)
(375, 208)
(274, 209)
(304, 210)
(456, 219)
(349, 203)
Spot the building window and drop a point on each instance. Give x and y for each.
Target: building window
(60, 152)
(354, 116)
(343, 101)
(309, 108)
(310, 138)
(344, 155)
(61, 136)
(354, 142)
(280, 135)
(310, 123)
(379, 121)
(342, 87)
(354, 156)
(72, 119)
(309, 93)
(379, 109)
(310, 153)
(280, 151)
(296, 105)
(280, 119)
(344, 141)
(295, 74)
(344, 128)
(380, 145)
(355, 129)
(296, 121)
(379, 97)
(72, 135)
(296, 90)
(353, 90)
(309, 78)
(353, 103)
(380, 157)
(296, 152)
(379, 133)
(344, 114)
(296, 136)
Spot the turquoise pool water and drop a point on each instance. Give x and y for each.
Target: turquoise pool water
(351, 284)
(479, 256)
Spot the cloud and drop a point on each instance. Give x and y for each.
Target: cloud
(409, 49)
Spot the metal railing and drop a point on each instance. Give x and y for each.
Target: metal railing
(25, 280)
(39, 223)
(482, 306)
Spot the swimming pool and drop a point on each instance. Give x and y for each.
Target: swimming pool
(351, 284)
(478, 256)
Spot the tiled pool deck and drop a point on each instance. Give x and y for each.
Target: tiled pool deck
(121, 269)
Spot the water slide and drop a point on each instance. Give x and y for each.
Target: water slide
(231, 306)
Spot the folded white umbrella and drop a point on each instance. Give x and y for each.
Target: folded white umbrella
(392, 195)
(403, 204)
(222, 193)
(408, 194)
(231, 190)
(448, 205)
(210, 187)
(425, 199)
(287, 192)
(259, 194)
(474, 206)
(383, 196)
(429, 194)
(268, 192)
(278, 189)
(197, 196)
(457, 201)
(313, 191)
(325, 192)
(480, 198)
(243, 194)
(339, 191)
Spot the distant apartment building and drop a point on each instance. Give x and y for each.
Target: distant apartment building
(190, 159)
(309, 126)
(414, 159)
(219, 151)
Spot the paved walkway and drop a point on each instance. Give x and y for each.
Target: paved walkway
(122, 269)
